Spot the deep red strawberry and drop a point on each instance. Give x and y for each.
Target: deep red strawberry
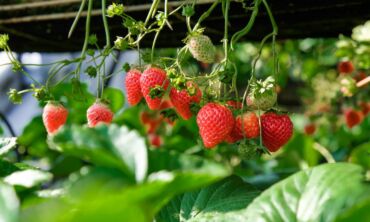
(345, 67)
(145, 117)
(155, 140)
(182, 99)
(99, 112)
(153, 83)
(365, 107)
(234, 104)
(54, 116)
(215, 122)
(250, 125)
(276, 130)
(309, 129)
(133, 88)
(352, 117)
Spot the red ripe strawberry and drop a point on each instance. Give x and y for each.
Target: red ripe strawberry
(145, 117)
(234, 104)
(215, 122)
(166, 104)
(276, 130)
(353, 117)
(309, 129)
(155, 140)
(360, 76)
(99, 112)
(365, 108)
(153, 79)
(181, 99)
(133, 88)
(345, 67)
(54, 116)
(250, 125)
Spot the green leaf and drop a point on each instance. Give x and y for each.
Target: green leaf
(317, 194)
(7, 167)
(115, 97)
(221, 201)
(361, 155)
(6, 144)
(358, 212)
(109, 146)
(300, 148)
(9, 204)
(28, 178)
(106, 196)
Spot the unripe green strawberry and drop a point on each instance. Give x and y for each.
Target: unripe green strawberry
(133, 89)
(263, 95)
(276, 130)
(153, 83)
(247, 151)
(202, 48)
(182, 99)
(215, 122)
(99, 112)
(54, 116)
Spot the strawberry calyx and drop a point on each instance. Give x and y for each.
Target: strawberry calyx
(156, 92)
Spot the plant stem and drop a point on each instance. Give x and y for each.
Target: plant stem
(249, 26)
(159, 30)
(226, 6)
(87, 34)
(206, 14)
(82, 6)
(105, 22)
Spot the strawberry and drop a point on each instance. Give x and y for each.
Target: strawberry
(54, 116)
(182, 99)
(360, 76)
(345, 67)
(145, 117)
(276, 130)
(365, 107)
(99, 112)
(155, 140)
(263, 94)
(309, 129)
(250, 125)
(153, 83)
(133, 88)
(234, 104)
(352, 117)
(215, 122)
(202, 48)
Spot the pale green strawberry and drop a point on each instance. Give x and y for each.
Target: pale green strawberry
(202, 48)
(262, 95)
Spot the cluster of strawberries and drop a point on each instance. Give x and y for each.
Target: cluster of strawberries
(215, 120)
(348, 77)
(55, 115)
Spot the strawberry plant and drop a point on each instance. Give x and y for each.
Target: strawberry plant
(204, 136)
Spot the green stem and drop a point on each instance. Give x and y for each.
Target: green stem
(274, 32)
(226, 6)
(206, 14)
(249, 26)
(159, 30)
(86, 41)
(74, 24)
(105, 22)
